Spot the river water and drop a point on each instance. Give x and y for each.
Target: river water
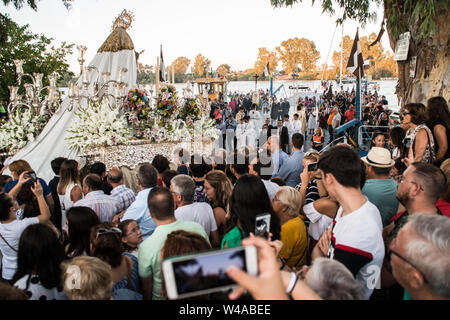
(386, 88)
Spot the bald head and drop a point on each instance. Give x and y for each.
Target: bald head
(115, 177)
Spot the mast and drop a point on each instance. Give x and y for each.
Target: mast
(342, 52)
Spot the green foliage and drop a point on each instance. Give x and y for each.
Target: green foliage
(37, 52)
(358, 10)
(18, 4)
(399, 13)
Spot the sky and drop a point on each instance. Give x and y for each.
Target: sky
(224, 31)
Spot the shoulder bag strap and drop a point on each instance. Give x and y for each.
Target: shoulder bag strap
(8, 243)
(128, 272)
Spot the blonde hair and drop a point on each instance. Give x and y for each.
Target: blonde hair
(93, 282)
(19, 166)
(290, 198)
(445, 167)
(222, 186)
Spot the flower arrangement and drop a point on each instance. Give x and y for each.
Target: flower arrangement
(190, 111)
(98, 126)
(166, 105)
(137, 108)
(22, 127)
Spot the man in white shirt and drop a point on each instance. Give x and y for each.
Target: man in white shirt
(255, 117)
(183, 189)
(355, 237)
(250, 133)
(240, 134)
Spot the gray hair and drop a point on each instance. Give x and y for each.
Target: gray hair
(429, 251)
(148, 176)
(331, 280)
(185, 186)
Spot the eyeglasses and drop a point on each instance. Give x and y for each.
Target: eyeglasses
(103, 231)
(401, 178)
(390, 251)
(134, 230)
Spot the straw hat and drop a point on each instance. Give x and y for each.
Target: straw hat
(379, 157)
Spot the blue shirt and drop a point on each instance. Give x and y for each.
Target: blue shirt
(11, 184)
(292, 168)
(278, 159)
(138, 211)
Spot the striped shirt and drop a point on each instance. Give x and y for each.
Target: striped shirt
(312, 192)
(106, 207)
(124, 195)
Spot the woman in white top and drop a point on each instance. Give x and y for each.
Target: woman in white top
(69, 189)
(11, 228)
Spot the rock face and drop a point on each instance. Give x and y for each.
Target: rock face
(432, 74)
(434, 79)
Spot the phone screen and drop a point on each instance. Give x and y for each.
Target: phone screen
(312, 166)
(407, 144)
(33, 176)
(262, 225)
(203, 273)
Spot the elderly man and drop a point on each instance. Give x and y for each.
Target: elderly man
(183, 189)
(124, 195)
(420, 257)
(105, 206)
(147, 179)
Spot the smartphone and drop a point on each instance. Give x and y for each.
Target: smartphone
(406, 145)
(313, 166)
(196, 274)
(32, 176)
(262, 225)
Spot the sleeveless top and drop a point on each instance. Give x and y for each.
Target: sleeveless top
(428, 155)
(66, 203)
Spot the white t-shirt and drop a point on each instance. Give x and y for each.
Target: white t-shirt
(319, 222)
(12, 232)
(199, 212)
(357, 242)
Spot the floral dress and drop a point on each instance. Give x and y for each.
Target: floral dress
(428, 155)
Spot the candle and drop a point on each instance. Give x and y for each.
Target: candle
(85, 75)
(38, 78)
(71, 89)
(19, 64)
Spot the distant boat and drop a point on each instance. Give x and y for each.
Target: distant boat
(299, 88)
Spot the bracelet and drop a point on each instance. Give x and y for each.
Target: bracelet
(292, 283)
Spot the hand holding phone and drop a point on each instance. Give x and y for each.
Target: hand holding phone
(313, 166)
(32, 176)
(203, 273)
(262, 225)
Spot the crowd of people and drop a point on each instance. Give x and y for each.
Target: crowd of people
(342, 226)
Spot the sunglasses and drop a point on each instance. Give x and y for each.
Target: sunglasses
(103, 231)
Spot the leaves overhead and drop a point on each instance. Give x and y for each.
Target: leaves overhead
(37, 51)
(18, 4)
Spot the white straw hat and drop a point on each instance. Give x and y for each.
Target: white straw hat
(379, 157)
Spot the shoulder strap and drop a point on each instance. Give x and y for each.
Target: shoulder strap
(8, 243)
(127, 259)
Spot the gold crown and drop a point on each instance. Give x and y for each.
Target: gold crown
(124, 20)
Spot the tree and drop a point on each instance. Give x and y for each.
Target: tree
(180, 65)
(379, 58)
(295, 53)
(224, 70)
(37, 52)
(201, 65)
(18, 4)
(265, 56)
(427, 22)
